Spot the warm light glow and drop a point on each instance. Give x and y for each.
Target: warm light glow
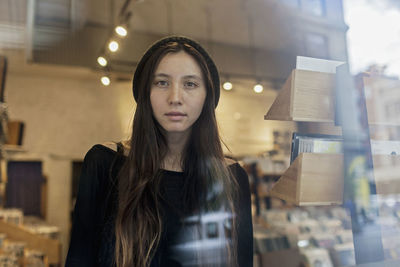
(105, 81)
(227, 86)
(113, 46)
(237, 116)
(258, 88)
(121, 31)
(102, 61)
(303, 243)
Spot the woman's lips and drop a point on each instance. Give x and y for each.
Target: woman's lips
(175, 116)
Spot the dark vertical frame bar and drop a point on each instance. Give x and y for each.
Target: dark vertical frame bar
(351, 114)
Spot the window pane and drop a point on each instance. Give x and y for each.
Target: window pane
(291, 3)
(315, 7)
(316, 45)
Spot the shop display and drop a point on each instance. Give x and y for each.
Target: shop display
(51, 232)
(8, 261)
(34, 243)
(315, 143)
(319, 233)
(34, 258)
(15, 216)
(15, 248)
(317, 257)
(267, 241)
(343, 255)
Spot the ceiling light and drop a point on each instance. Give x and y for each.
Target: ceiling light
(105, 80)
(227, 86)
(113, 46)
(258, 88)
(121, 31)
(102, 61)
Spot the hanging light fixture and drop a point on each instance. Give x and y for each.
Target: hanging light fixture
(258, 88)
(105, 81)
(102, 61)
(121, 31)
(113, 46)
(227, 86)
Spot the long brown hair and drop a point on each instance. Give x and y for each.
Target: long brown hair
(138, 224)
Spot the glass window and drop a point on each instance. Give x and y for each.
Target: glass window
(292, 3)
(316, 45)
(315, 7)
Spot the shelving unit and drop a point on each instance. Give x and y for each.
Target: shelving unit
(305, 96)
(318, 179)
(51, 248)
(312, 179)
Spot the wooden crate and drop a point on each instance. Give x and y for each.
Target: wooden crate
(312, 179)
(305, 96)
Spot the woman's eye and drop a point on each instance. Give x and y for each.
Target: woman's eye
(161, 83)
(191, 84)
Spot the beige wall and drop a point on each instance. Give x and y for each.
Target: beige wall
(67, 110)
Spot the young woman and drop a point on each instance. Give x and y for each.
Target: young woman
(166, 197)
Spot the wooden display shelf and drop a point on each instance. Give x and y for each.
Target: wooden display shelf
(309, 96)
(317, 179)
(52, 248)
(305, 96)
(387, 174)
(13, 148)
(312, 179)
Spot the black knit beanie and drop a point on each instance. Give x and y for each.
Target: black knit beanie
(182, 40)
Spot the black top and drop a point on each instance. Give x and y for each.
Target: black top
(92, 238)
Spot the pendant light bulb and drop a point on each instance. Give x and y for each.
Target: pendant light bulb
(113, 46)
(102, 61)
(121, 31)
(258, 88)
(227, 86)
(105, 81)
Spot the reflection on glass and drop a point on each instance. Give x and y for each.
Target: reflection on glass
(203, 240)
(314, 7)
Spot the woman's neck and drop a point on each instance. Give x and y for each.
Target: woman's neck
(176, 144)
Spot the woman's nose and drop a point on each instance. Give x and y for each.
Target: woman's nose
(175, 95)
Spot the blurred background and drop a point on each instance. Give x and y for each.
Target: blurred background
(66, 70)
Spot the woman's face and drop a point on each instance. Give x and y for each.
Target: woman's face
(178, 92)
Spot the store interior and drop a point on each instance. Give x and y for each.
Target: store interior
(56, 105)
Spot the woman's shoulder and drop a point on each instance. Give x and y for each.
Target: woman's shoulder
(100, 154)
(230, 161)
(237, 170)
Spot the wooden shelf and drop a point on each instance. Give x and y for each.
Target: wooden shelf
(52, 248)
(387, 174)
(312, 179)
(317, 179)
(305, 96)
(13, 148)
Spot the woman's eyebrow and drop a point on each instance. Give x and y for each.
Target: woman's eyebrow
(192, 77)
(189, 76)
(162, 75)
